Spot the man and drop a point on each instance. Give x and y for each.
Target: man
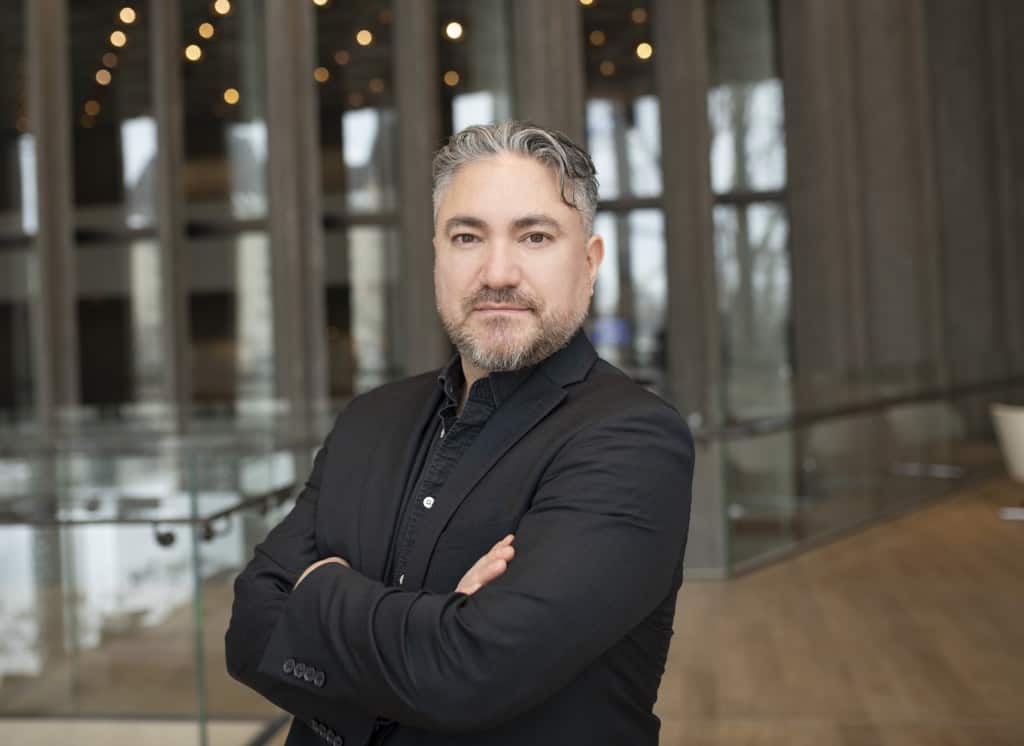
(561, 486)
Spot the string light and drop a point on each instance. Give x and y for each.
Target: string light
(118, 38)
(355, 99)
(127, 15)
(206, 30)
(321, 75)
(607, 68)
(376, 85)
(193, 52)
(452, 78)
(597, 38)
(364, 37)
(231, 96)
(320, 3)
(586, 3)
(222, 7)
(109, 59)
(644, 50)
(639, 15)
(342, 57)
(92, 107)
(453, 30)
(103, 76)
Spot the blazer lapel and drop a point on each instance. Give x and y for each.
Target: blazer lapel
(391, 470)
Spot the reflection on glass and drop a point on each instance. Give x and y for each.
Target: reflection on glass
(17, 151)
(752, 266)
(232, 325)
(628, 326)
(625, 144)
(475, 66)
(358, 125)
(17, 395)
(361, 291)
(225, 119)
(745, 106)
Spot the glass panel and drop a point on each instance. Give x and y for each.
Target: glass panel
(623, 119)
(17, 151)
(231, 326)
(628, 312)
(118, 279)
(748, 148)
(358, 124)
(225, 121)
(18, 222)
(362, 291)
(476, 75)
(17, 395)
(231, 321)
(752, 266)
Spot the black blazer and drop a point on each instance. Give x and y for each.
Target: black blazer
(593, 475)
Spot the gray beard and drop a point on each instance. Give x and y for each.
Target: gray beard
(555, 333)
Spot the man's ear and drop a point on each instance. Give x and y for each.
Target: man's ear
(595, 255)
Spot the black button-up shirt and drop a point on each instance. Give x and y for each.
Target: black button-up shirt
(440, 449)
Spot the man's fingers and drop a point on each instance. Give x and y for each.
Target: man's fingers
(488, 567)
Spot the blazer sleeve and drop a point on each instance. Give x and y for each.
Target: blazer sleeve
(262, 591)
(595, 554)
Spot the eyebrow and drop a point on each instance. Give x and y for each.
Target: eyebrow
(532, 220)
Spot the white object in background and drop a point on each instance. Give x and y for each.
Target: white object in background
(1009, 423)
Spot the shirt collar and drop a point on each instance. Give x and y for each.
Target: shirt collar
(502, 384)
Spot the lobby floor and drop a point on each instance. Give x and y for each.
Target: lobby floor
(908, 633)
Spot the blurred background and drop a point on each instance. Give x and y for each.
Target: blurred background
(215, 228)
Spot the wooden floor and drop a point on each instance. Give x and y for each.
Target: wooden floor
(910, 633)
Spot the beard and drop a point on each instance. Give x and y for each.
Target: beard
(507, 344)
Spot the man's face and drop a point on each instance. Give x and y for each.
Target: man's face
(513, 268)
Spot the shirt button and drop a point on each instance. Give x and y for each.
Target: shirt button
(428, 502)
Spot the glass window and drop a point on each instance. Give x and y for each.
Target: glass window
(117, 256)
(226, 200)
(358, 143)
(474, 62)
(624, 138)
(748, 176)
(18, 223)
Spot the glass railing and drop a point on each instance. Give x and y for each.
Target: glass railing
(794, 482)
(116, 571)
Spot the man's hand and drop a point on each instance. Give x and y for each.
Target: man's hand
(488, 567)
(318, 563)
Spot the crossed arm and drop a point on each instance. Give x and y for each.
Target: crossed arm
(594, 555)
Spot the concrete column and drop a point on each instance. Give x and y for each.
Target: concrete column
(55, 348)
(423, 345)
(548, 37)
(300, 326)
(692, 328)
(168, 96)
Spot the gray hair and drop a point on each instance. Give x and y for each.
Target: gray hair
(576, 174)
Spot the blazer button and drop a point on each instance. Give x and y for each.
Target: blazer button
(318, 680)
(428, 502)
(337, 741)
(289, 665)
(309, 673)
(300, 668)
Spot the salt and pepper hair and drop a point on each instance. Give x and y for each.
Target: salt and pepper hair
(571, 163)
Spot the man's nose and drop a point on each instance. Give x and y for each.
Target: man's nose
(501, 265)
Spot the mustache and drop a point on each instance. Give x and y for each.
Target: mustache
(500, 296)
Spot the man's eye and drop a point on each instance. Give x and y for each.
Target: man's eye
(537, 238)
(464, 238)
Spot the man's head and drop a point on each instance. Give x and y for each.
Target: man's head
(514, 255)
